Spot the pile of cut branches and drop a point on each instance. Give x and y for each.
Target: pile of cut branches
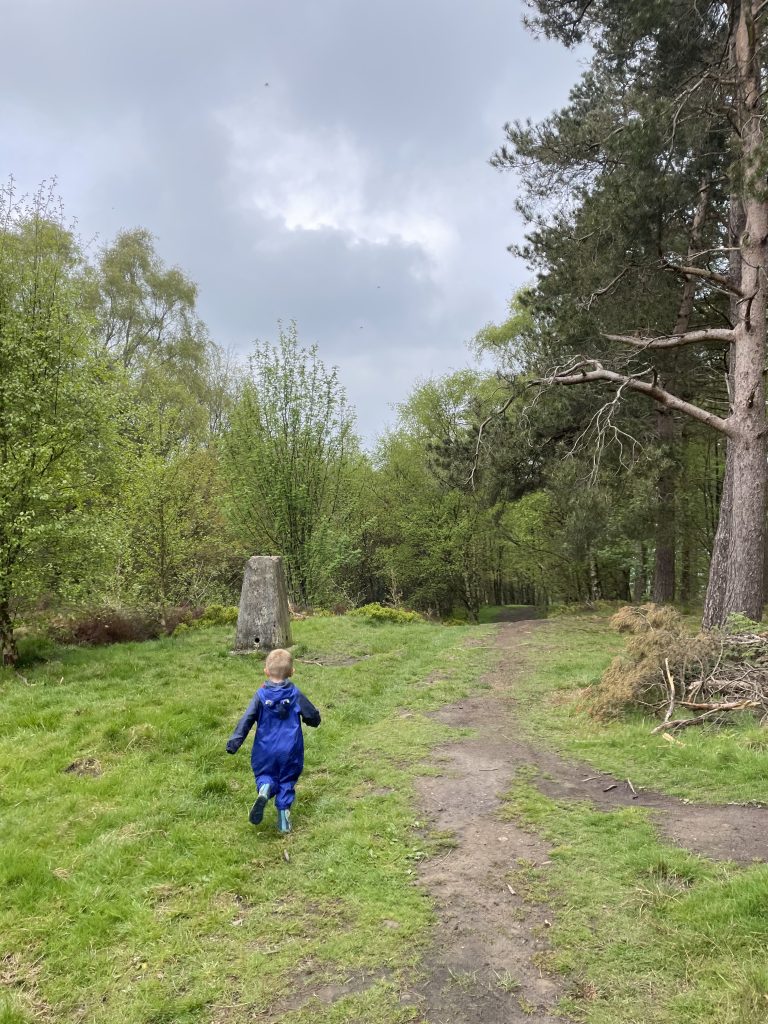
(683, 678)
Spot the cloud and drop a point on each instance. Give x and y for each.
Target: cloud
(352, 193)
(312, 181)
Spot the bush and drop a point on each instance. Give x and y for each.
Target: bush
(637, 677)
(214, 615)
(217, 615)
(738, 624)
(99, 626)
(379, 613)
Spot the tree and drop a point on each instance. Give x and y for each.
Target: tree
(58, 405)
(288, 456)
(174, 542)
(440, 541)
(690, 83)
(145, 310)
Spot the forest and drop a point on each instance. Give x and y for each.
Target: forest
(609, 445)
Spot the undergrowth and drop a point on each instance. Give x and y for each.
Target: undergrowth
(566, 658)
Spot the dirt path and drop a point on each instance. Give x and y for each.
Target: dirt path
(483, 966)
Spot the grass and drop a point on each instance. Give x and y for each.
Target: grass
(138, 892)
(710, 764)
(645, 932)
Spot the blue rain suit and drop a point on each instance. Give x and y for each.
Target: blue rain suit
(277, 757)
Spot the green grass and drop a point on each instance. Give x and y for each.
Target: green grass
(493, 612)
(710, 764)
(644, 932)
(142, 894)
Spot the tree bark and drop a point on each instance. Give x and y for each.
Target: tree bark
(664, 563)
(744, 586)
(9, 654)
(714, 601)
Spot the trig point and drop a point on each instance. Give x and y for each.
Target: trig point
(264, 620)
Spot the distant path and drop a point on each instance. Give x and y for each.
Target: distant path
(487, 937)
(518, 613)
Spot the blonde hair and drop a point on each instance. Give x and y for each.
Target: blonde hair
(279, 664)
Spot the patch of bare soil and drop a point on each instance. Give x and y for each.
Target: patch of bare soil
(310, 990)
(335, 660)
(483, 967)
(88, 766)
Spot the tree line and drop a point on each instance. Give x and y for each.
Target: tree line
(616, 451)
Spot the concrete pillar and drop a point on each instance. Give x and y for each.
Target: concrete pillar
(264, 620)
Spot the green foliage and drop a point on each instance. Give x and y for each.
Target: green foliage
(290, 455)
(214, 615)
(737, 623)
(379, 613)
(59, 404)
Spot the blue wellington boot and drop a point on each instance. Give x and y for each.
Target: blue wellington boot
(257, 811)
(284, 821)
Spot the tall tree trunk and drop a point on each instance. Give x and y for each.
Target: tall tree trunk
(744, 586)
(714, 601)
(666, 533)
(9, 654)
(640, 581)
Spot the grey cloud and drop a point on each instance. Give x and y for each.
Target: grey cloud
(351, 192)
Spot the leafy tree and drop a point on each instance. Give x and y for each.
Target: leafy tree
(145, 310)
(175, 545)
(289, 455)
(58, 402)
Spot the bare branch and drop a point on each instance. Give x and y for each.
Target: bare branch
(706, 336)
(605, 289)
(706, 275)
(476, 457)
(579, 374)
(604, 430)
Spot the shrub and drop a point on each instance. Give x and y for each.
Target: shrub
(218, 615)
(182, 615)
(379, 613)
(737, 624)
(98, 626)
(213, 615)
(637, 677)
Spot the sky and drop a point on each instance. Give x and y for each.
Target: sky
(324, 161)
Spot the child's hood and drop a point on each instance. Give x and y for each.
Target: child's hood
(276, 693)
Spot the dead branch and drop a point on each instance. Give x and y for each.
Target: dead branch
(706, 275)
(707, 336)
(579, 374)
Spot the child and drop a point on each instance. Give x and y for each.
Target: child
(277, 758)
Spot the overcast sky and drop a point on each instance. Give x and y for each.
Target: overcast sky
(318, 160)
